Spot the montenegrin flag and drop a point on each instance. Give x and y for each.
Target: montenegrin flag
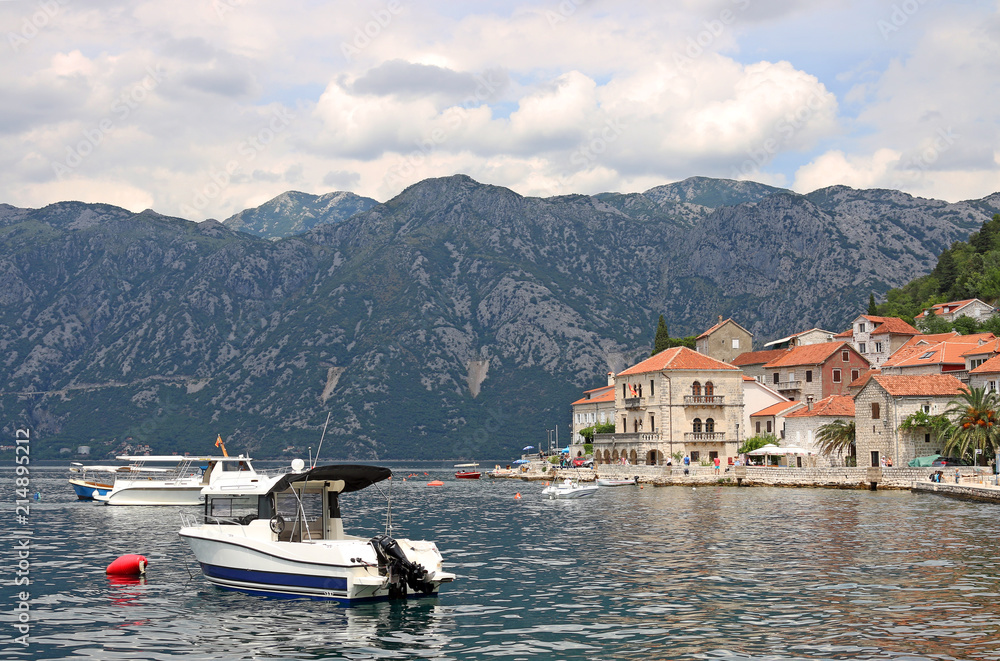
(218, 443)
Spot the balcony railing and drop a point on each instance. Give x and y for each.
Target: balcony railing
(633, 402)
(704, 436)
(704, 400)
(608, 439)
(789, 385)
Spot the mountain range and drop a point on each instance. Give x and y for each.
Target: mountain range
(457, 320)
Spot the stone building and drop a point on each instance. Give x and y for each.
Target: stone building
(724, 341)
(819, 370)
(678, 401)
(802, 427)
(752, 362)
(802, 338)
(885, 401)
(970, 307)
(986, 375)
(877, 338)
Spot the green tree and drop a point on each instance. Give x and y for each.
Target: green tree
(662, 340)
(872, 308)
(601, 428)
(758, 441)
(932, 323)
(837, 438)
(976, 424)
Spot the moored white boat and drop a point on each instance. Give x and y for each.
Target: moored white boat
(569, 489)
(173, 479)
(284, 537)
(617, 482)
(88, 481)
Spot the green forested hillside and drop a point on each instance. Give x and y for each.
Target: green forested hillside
(968, 269)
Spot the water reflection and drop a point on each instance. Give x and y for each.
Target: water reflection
(629, 574)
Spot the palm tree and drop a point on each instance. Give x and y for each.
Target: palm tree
(837, 437)
(976, 422)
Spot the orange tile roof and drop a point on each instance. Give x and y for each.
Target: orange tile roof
(598, 389)
(758, 357)
(991, 366)
(894, 325)
(776, 409)
(951, 305)
(919, 385)
(943, 353)
(678, 358)
(608, 396)
(810, 354)
(841, 406)
(847, 333)
(863, 379)
(987, 347)
(951, 336)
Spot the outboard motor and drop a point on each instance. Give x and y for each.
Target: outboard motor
(401, 572)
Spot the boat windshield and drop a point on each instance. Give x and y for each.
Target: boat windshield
(303, 513)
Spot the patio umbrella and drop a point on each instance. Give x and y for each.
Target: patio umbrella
(770, 448)
(528, 447)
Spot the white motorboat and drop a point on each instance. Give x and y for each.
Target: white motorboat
(617, 482)
(569, 489)
(284, 537)
(88, 481)
(174, 479)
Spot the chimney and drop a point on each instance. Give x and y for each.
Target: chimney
(720, 318)
(611, 378)
(809, 402)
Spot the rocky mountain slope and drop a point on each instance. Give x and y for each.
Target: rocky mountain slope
(457, 320)
(294, 212)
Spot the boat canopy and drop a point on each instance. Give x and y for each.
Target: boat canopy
(354, 476)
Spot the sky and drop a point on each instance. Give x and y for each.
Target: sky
(202, 108)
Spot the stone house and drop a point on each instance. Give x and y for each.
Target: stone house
(752, 362)
(878, 338)
(771, 420)
(802, 426)
(724, 341)
(811, 336)
(819, 370)
(945, 357)
(970, 307)
(885, 401)
(676, 401)
(986, 375)
(979, 354)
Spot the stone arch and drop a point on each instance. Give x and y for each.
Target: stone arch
(696, 425)
(633, 458)
(696, 388)
(710, 425)
(709, 389)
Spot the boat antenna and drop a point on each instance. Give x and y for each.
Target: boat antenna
(321, 440)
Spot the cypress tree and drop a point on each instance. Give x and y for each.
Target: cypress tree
(662, 340)
(872, 309)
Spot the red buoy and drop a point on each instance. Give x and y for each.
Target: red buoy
(128, 565)
(435, 483)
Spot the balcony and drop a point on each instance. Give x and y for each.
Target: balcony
(611, 439)
(705, 437)
(632, 403)
(788, 385)
(704, 400)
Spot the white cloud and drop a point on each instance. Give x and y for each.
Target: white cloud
(605, 97)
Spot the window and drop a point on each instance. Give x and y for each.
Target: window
(862, 347)
(926, 408)
(876, 411)
(758, 426)
(861, 328)
(696, 425)
(650, 387)
(836, 376)
(926, 355)
(845, 355)
(768, 426)
(927, 438)
(652, 423)
(809, 376)
(791, 376)
(855, 374)
(878, 347)
(624, 425)
(736, 343)
(696, 389)
(709, 389)
(710, 425)
(992, 386)
(624, 393)
(695, 456)
(775, 377)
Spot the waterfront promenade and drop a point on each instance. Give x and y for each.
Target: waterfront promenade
(973, 483)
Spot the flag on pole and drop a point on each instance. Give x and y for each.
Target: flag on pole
(219, 443)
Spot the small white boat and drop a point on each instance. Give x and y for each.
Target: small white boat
(284, 537)
(88, 481)
(467, 472)
(617, 482)
(569, 489)
(174, 480)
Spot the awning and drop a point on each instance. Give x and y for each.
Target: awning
(354, 476)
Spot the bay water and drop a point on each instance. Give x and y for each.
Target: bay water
(631, 573)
